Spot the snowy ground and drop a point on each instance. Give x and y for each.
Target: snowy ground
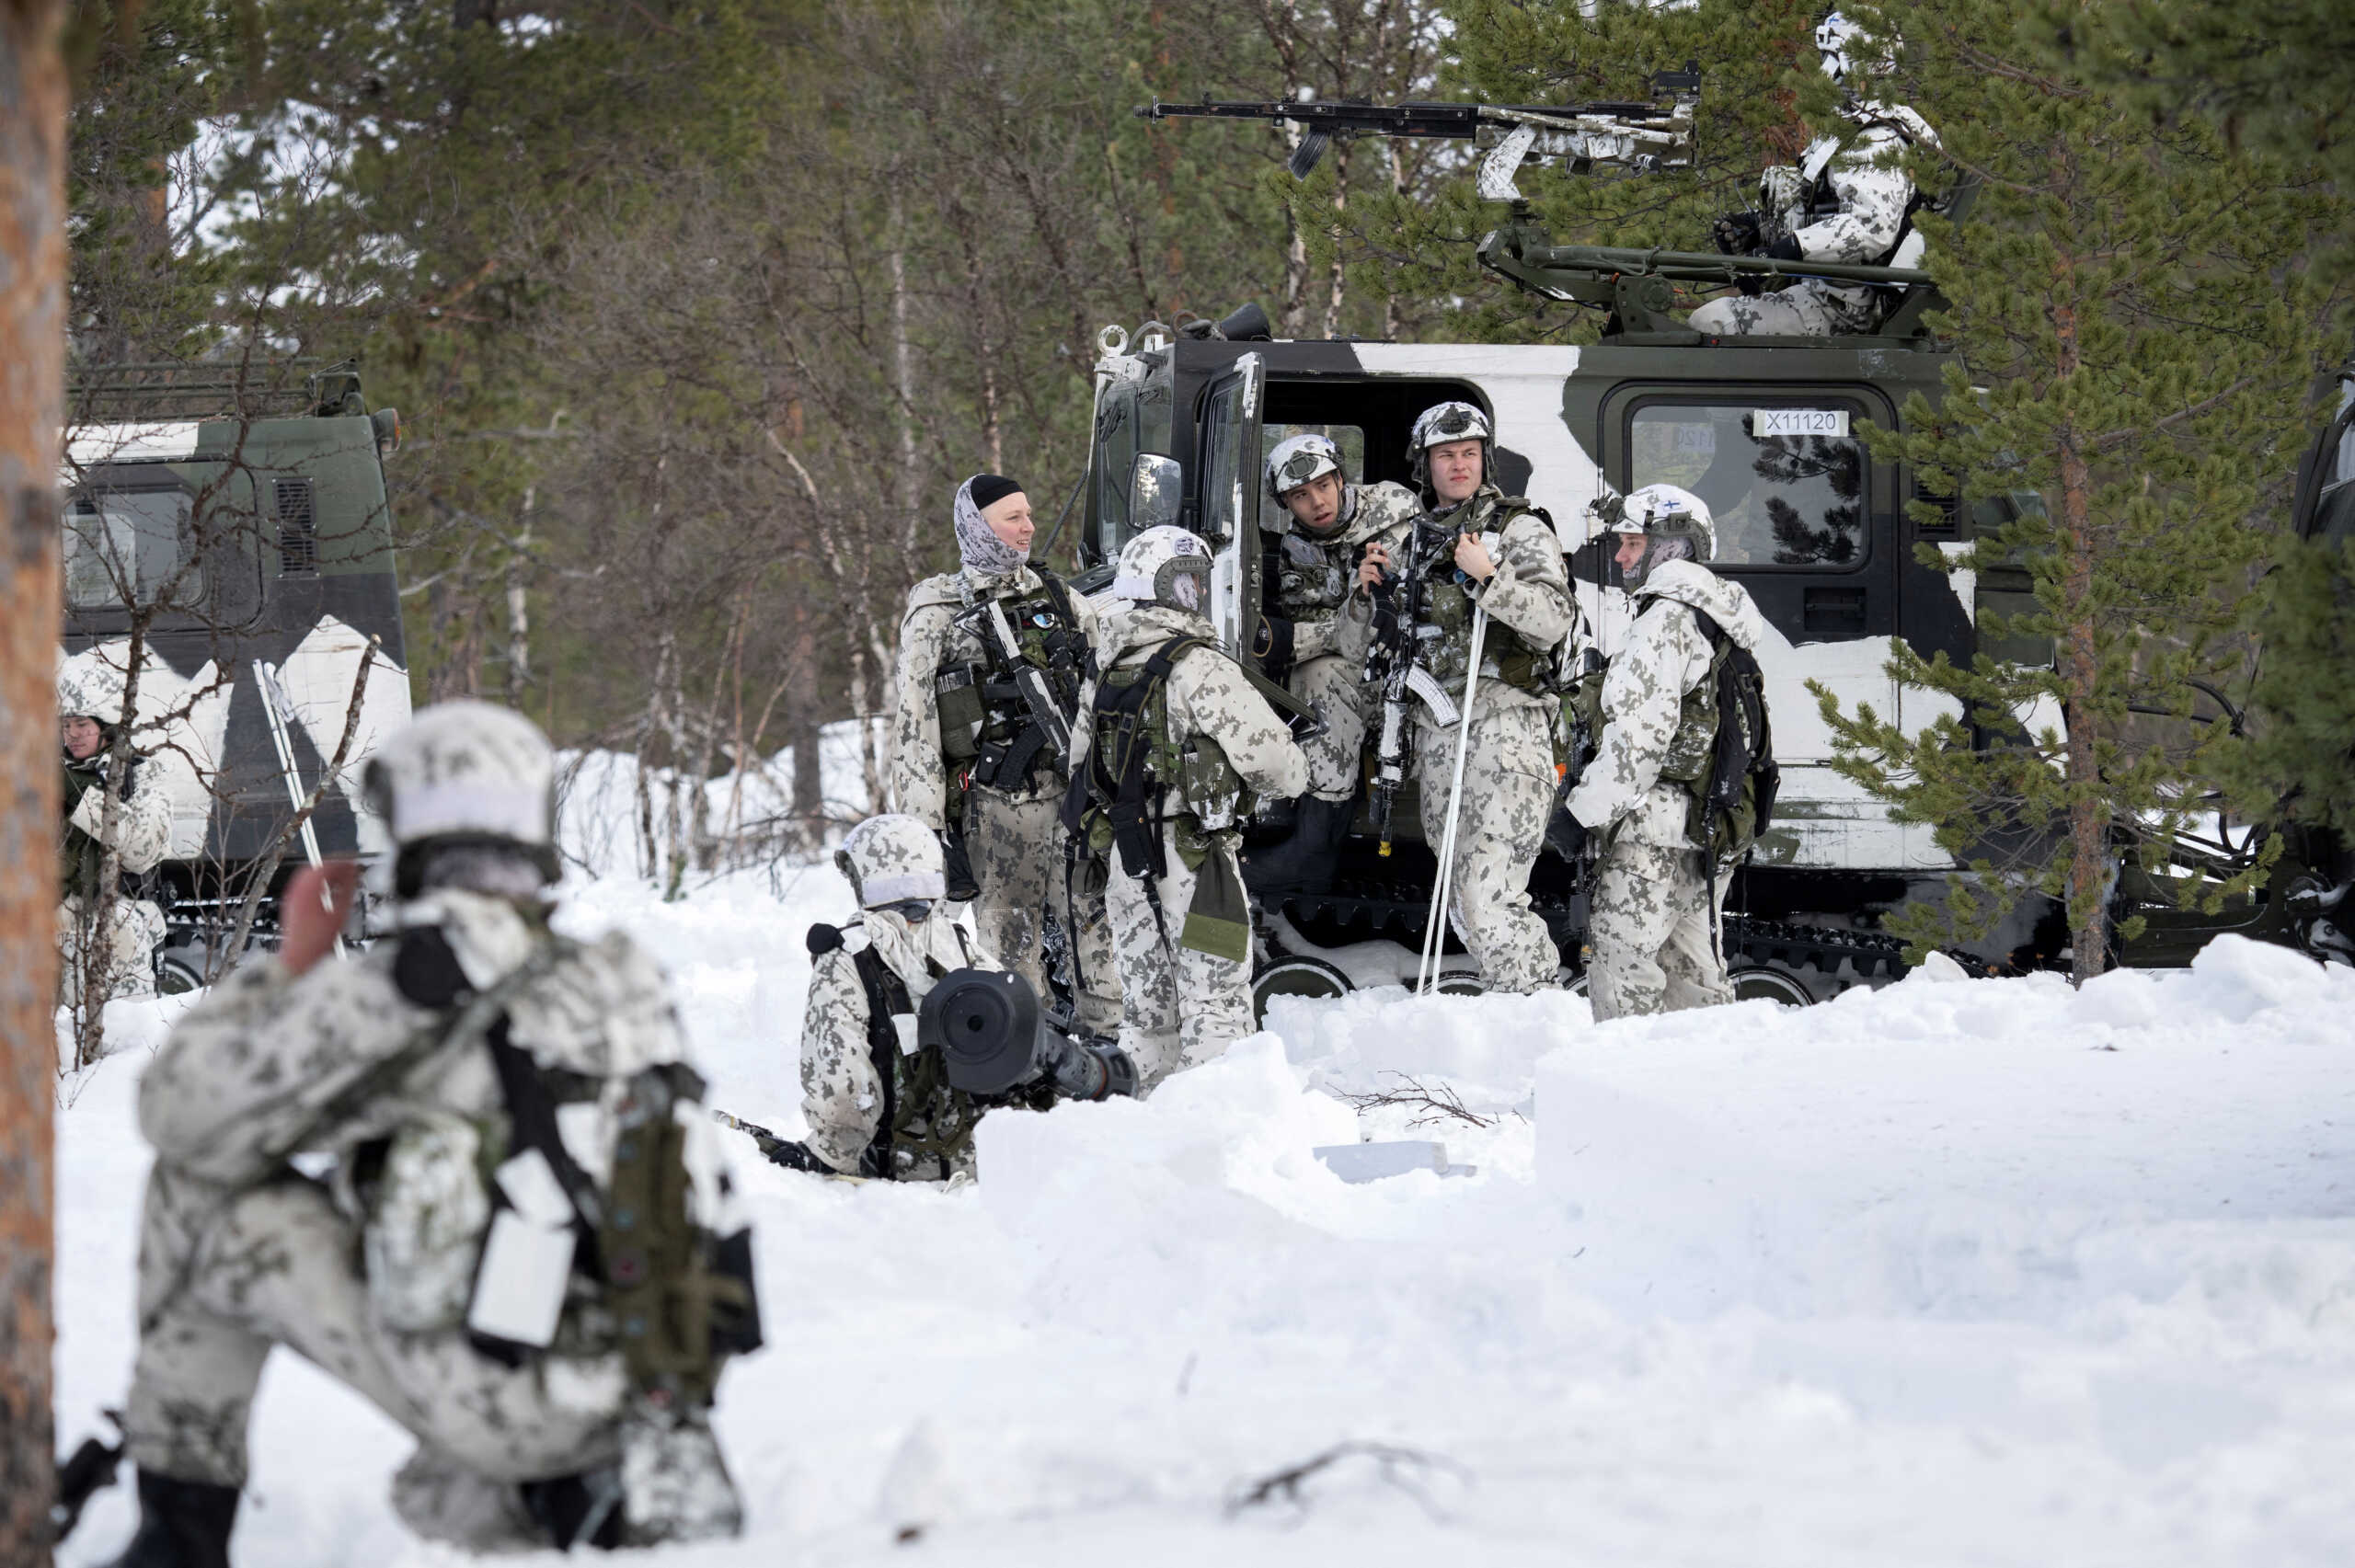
(1960, 1272)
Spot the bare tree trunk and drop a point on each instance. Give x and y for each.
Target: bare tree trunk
(1390, 318)
(519, 611)
(2088, 820)
(1336, 281)
(903, 365)
(32, 373)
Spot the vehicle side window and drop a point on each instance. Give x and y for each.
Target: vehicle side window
(1116, 448)
(133, 541)
(1219, 457)
(1350, 439)
(1776, 501)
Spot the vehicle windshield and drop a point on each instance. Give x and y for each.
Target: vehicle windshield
(1777, 500)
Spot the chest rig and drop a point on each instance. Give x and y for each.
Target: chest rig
(1444, 635)
(988, 734)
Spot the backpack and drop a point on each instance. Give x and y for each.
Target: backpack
(1733, 797)
(633, 1247)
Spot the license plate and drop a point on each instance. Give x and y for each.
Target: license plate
(1768, 422)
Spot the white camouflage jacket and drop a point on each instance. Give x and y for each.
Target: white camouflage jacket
(929, 639)
(1315, 576)
(1666, 656)
(841, 1094)
(1872, 188)
(142, 823)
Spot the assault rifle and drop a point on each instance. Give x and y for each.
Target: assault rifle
(1637, 135)
(1390, 664)
(1050, 711)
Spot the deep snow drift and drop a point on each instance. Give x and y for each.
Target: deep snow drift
(1957, 1272)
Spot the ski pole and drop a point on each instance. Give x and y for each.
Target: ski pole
(281, 713)
(1443, 885)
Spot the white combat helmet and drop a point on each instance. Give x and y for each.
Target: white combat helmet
(1444, 422)
(467, 772)
(87, 688)
(1166, 565)
(1675, 524)
(1299, 458)
(1837, 39)
(890, 859)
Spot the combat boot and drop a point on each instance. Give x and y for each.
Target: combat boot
(183, 1524)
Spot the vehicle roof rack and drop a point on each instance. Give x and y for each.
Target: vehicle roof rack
(210, 389)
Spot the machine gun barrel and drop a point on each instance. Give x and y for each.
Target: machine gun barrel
(1453, 121)
(1706, 266)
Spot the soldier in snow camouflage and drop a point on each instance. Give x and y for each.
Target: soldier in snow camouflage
(108, 806)
(1847, 199)
(371, 1273)
(963, 758)
(1652, 925)
(1508, 561)
(860, 1061)
(1328, 524)
(1175, 738)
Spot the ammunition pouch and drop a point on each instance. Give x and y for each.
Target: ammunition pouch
(1217, 921)
(956, 699)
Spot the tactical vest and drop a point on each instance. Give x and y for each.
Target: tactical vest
(1120, 799)
(986, 732)
(1312, 582)
(82, 857)
(924, 1117)
(675, 1299)
(1448, 606)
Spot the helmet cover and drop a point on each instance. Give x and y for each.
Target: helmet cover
(890, 858)
(467, 771)
(1298, 460)
(1166, 565)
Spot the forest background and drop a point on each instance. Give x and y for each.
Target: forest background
(696, 311)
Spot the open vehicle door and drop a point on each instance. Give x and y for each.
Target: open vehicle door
(1228, 515)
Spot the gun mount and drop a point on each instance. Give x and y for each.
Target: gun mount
(1639, 286)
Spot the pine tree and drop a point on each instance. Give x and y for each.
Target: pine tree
(2299, 764)
(2135, 331)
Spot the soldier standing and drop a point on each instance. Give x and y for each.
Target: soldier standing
(1498, 553)
(1175, 738)
(1328, 524)
(980, 648)
(524, 1255)
(110, 804)
(1848, 200)
(1653, 927)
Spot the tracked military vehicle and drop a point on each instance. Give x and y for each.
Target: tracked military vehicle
(236, 516)
(1764, 430)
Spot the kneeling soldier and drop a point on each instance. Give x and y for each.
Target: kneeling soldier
(880, 1101)
(1175, 738)
(528, 1253)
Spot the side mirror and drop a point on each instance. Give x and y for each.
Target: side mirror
(1156, 488)
(388, 430)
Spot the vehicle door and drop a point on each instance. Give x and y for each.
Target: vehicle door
(1226, 502)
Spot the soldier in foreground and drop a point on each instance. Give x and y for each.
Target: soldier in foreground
(1175, 738)
(1653, 926)
(1847, 199)
(110, 804)
(522, 1255)
(1330, 522)
(1493, 552)
(982, 650)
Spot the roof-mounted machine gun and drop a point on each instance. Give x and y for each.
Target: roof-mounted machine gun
(1637, 135)
(1639, 287)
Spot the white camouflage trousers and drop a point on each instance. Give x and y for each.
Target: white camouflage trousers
(1016, 850)
(225, 1275)
(1650, 933)
(1508, 785)
(1337, 687)
(1178, 1008)
(132, 930)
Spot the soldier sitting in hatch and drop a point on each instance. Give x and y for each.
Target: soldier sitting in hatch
(1847, 200)
(1329, 522)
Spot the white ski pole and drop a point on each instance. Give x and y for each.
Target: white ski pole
(1444, 887)
(281, 713)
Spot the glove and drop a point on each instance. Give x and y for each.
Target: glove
(1786, 247)
(1736, 233)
